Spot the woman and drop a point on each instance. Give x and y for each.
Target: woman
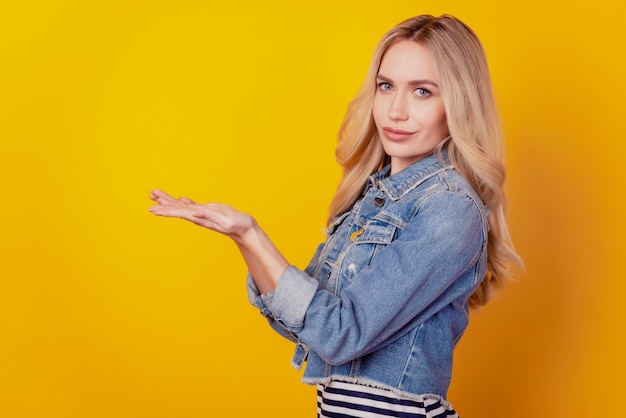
(416, 234)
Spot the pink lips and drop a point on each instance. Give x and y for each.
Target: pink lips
(396, 134)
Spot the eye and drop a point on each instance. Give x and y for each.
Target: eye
(384, 86)
(422, 92)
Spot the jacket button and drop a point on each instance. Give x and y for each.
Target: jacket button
(379, 201)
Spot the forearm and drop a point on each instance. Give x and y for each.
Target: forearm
(265, 262)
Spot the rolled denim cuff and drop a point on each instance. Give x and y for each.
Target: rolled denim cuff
(262, 302)
(253, 291)
(292, 297)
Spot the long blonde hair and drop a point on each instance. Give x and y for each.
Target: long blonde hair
(475, 144)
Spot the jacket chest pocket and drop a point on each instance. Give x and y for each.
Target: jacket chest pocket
(366, 244)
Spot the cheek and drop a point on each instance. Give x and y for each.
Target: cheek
(437, 119)
(443, 122)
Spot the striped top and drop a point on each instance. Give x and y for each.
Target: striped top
(346, 400)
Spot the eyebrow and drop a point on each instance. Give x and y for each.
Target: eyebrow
(411, 82)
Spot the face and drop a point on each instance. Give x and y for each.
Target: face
(408, 108)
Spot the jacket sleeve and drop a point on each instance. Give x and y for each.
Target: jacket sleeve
(431, 264)
(262, 302)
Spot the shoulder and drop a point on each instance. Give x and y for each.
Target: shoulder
(450, 184)
(444, 185)
(449, 201)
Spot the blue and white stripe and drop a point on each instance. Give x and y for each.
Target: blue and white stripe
(348, 400)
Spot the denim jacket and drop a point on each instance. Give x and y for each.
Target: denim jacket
(384, 300)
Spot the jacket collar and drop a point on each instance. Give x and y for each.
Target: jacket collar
(406, 180)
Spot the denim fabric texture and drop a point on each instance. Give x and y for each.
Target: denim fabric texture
(384, 300)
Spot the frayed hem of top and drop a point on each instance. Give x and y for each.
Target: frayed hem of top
(366, 382)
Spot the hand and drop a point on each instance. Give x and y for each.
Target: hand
(265, 262)
(216, 217)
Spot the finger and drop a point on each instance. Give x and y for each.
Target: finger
(208, 211)
(161, 197)
(208, 220)
(157, 194)
(214, 216)
(172, 211)
(186, 200)
(154, 194)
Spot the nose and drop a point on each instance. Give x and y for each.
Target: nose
(398, 108)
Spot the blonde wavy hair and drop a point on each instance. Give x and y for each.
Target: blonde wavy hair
(475, 144)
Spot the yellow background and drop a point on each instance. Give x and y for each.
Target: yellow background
(107, 311)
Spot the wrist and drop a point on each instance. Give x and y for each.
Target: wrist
(249, 236)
